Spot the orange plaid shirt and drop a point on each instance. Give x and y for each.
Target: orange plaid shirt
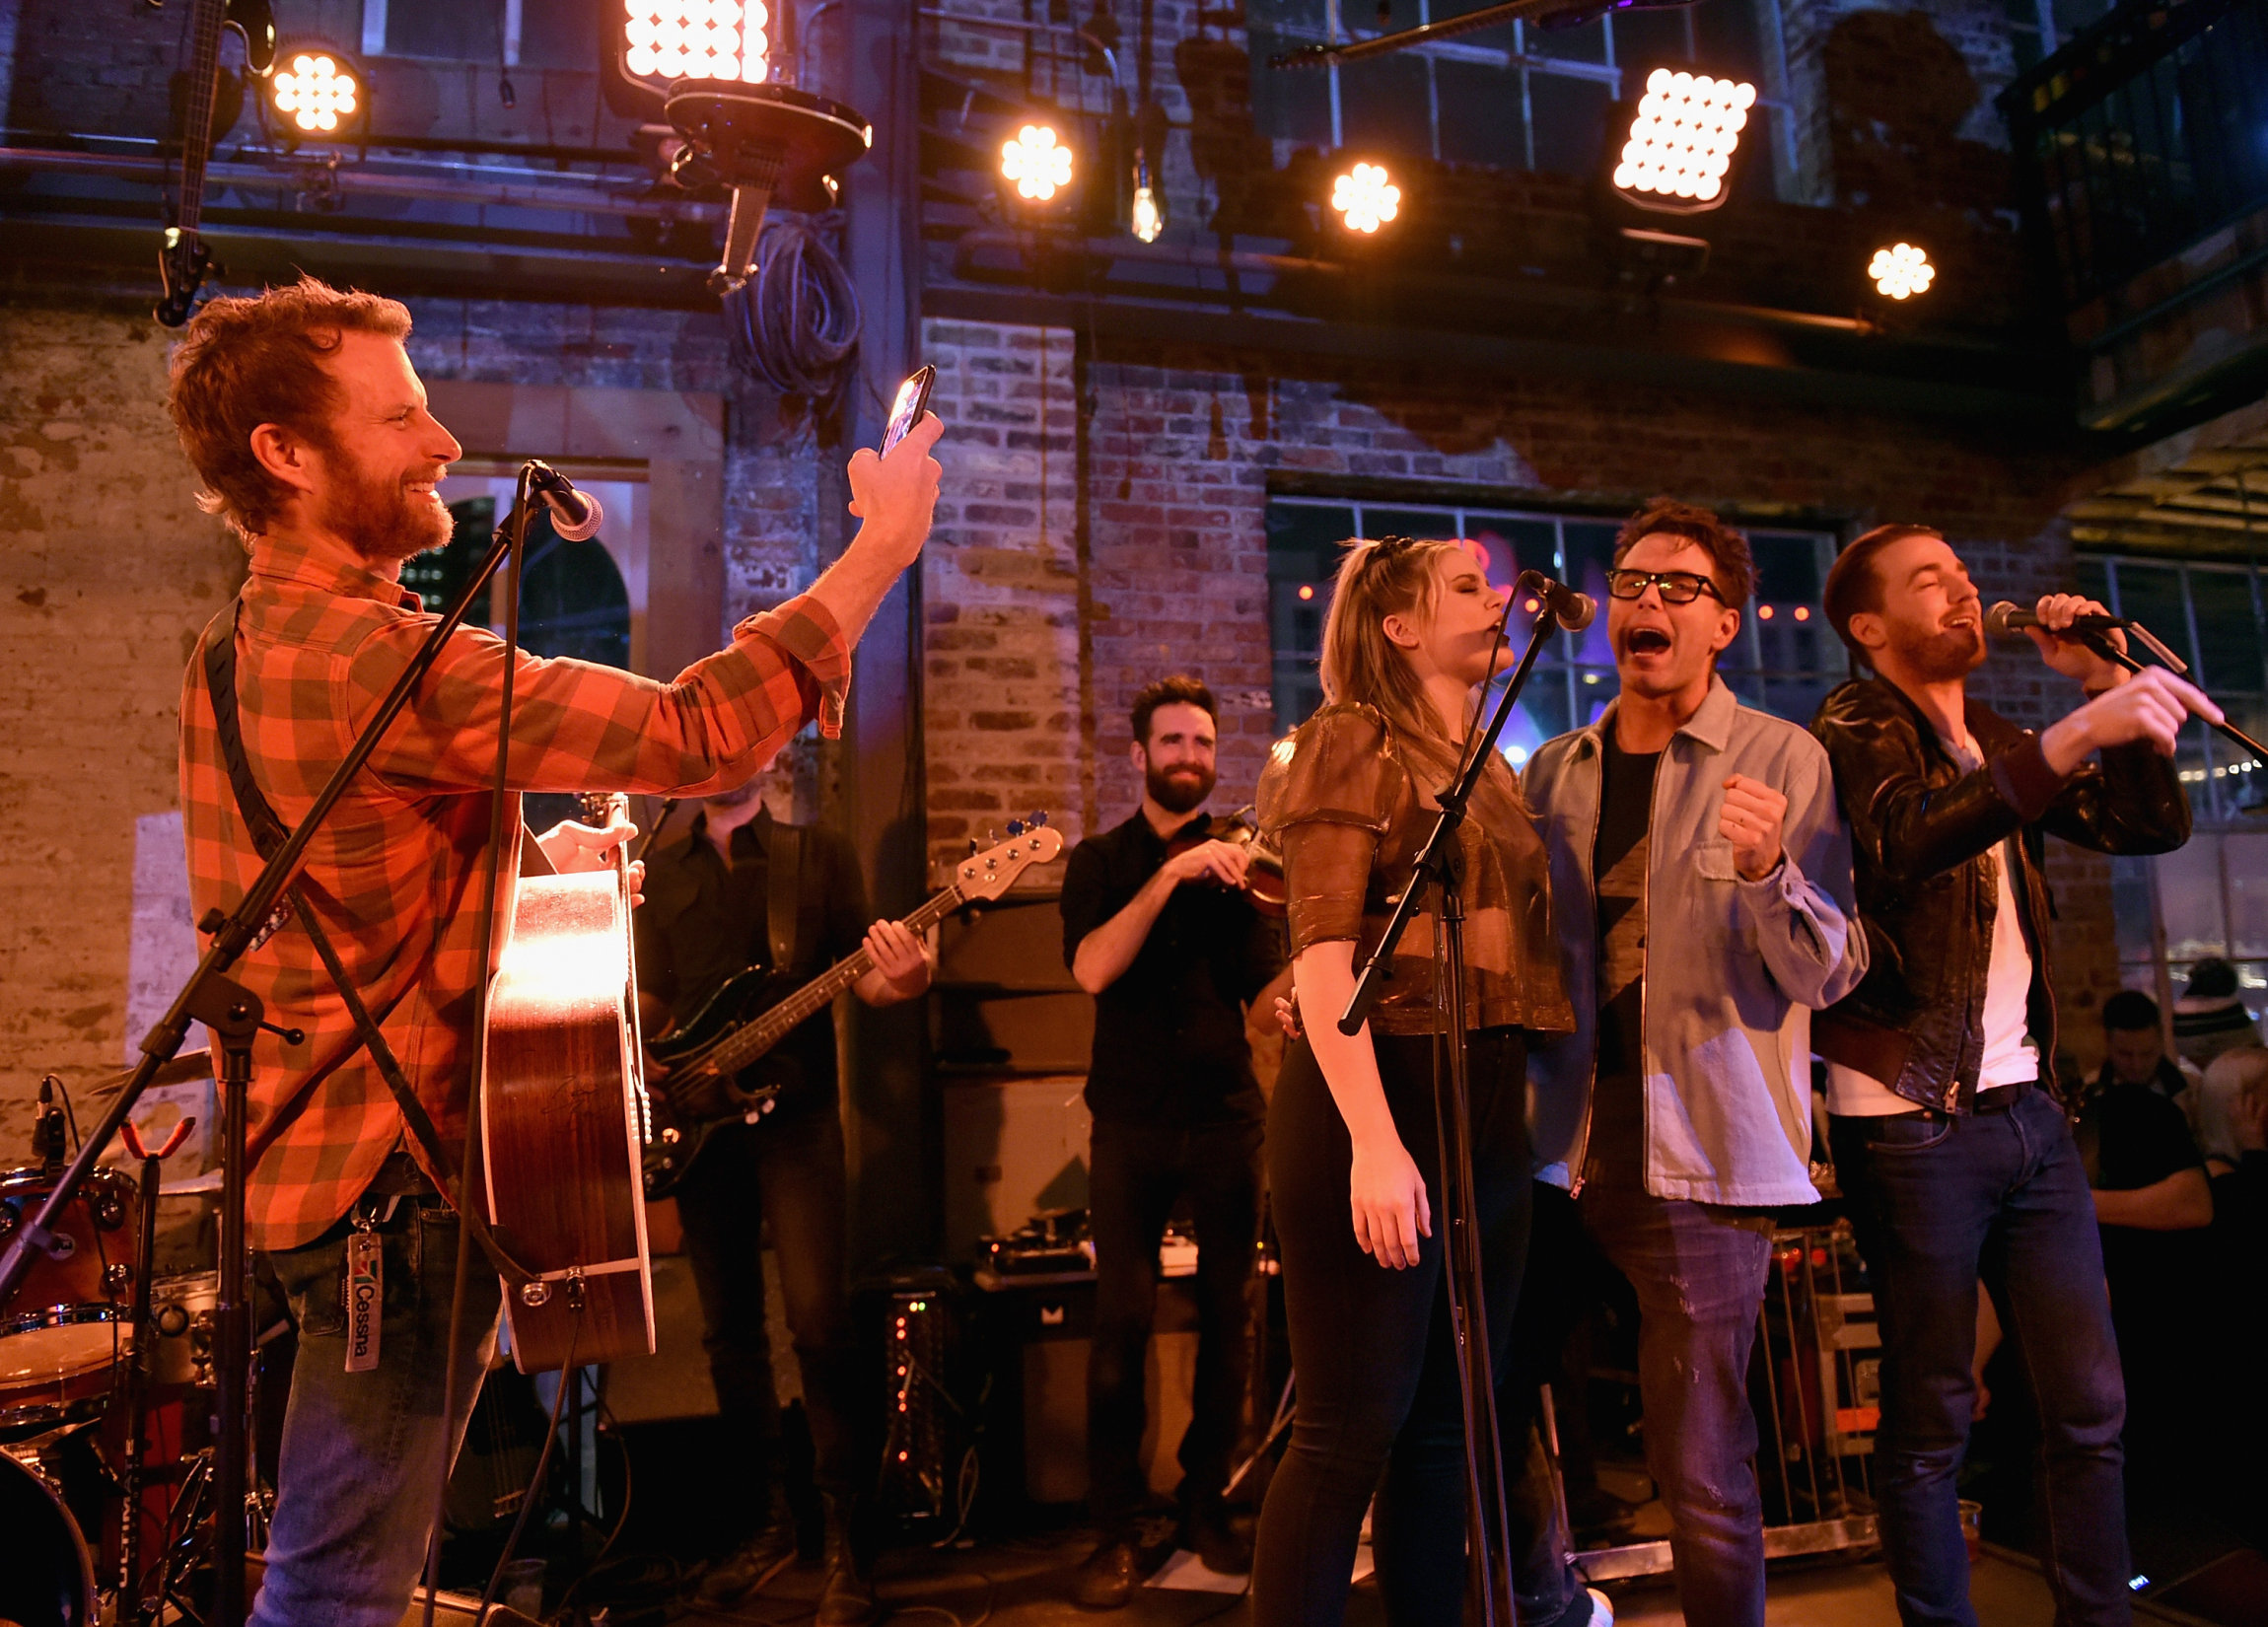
(395, 873)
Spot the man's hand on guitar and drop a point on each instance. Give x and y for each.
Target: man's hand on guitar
(900, 965)
(574, 848)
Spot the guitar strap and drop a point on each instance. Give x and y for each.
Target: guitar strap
(783, 896)
(268, 833)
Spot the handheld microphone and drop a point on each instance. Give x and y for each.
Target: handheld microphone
(1571, 610)
(575, 515)
(2005, 618)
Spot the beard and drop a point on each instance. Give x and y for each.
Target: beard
(1941, 655)
(378, 515)
(1181, 790)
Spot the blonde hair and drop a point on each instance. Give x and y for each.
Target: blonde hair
(1394, 576)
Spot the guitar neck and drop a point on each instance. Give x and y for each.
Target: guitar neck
(737, 1049)
(197, 121)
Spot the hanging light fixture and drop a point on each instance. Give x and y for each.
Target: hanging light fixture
(317, 91)
(664, 41)
(1677, 157)
(1365, 198)
(1901, 271)
(1036, 162)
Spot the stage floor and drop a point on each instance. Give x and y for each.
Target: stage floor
(1025, 1585)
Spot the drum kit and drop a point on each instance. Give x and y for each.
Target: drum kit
(105, 1368)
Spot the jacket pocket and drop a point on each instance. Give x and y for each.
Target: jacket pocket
(1712, 862)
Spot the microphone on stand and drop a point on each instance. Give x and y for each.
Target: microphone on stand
(1571, 610)
(575, 515)
(47, 1136)
(2005, 619)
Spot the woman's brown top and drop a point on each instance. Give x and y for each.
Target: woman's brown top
(1350, 809)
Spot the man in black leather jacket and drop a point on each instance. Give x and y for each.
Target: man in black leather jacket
(1949, 1140)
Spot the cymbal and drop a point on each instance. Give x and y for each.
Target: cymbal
(183, 1068)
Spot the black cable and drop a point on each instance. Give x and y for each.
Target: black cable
(622, 1519)
(795, 323)
(535, 1494)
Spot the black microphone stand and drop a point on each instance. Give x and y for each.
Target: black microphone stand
(2100, 644)
(1439, 864)
(234, 1014)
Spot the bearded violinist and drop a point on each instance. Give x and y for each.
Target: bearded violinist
(1157, 925)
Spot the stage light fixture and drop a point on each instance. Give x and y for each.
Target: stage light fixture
(719, 40)
(1037, 162)
(1365, 198)
(317, 91)
(1901, 271)
(1147, 219)
(1678, 155)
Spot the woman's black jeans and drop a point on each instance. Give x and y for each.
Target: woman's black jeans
(1375, 1365)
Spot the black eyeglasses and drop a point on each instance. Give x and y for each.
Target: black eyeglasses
(1677, 586)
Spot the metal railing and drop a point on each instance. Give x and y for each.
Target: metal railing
(2139, 138)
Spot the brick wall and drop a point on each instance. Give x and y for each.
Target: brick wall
(107, 573)
(1180, 444)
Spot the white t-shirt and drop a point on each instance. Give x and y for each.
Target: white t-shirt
(2010, 1056)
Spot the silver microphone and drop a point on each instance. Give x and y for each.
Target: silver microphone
(575, 514)
(1571, 610)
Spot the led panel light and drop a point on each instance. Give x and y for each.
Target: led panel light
(1901, 271)
(1037, 162)
(316, 91)
(1678, 154)
(672, 40)
(1365, 198)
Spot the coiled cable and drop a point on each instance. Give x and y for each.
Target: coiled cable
(795, 323)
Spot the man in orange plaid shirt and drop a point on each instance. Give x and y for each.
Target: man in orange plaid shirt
(307, 427)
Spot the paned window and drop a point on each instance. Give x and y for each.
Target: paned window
(1783, 660)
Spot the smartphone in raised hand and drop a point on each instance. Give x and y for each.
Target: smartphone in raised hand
(912, 401)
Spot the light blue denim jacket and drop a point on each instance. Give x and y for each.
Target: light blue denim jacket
(1733, 967)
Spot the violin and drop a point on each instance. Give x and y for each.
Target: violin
(1263, 876)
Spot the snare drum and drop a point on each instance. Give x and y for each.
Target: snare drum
(49, 1580)
(64, 1329)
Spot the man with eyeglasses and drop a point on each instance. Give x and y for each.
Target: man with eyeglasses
(1678, 1114)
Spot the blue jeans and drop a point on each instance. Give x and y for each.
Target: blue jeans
(1939, 1203)
(359, 1477)
(1698, 1271)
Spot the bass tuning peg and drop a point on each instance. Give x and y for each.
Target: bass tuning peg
(1016, 827)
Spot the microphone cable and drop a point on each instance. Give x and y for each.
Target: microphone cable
(795, 323)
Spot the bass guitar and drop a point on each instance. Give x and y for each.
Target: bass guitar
(711, 1076)
(182, 258)
(565, 1117)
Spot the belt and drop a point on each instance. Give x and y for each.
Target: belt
(2001, 1097)
(400, 1177)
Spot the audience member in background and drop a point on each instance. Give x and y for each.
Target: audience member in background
(2134, 1048)
(2221, 1106)
(2239, 1341)
(2151, 1200)
(2210, 1016)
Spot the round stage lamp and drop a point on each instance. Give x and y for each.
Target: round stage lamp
(316, 91)
(665, 41)
(1036, 162)
(1365, 198)
(1901, 271)
(1677, 158)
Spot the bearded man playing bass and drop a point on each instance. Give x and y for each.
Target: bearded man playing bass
(740, 890)
(310, 433)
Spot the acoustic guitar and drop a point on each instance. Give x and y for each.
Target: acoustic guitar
(565, 1118)
(712, 1061)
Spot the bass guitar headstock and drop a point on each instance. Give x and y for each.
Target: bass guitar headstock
(988, 873)
(182, 263)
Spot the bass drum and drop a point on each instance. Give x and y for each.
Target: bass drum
(48, 1578)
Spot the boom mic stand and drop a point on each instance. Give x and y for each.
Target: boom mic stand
(234, 1014)
(1439, 864)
